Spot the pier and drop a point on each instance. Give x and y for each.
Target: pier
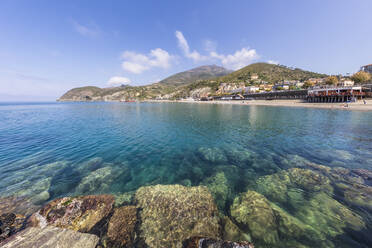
(336, 94)
(326, 94)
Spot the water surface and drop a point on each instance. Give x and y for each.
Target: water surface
(50, 150)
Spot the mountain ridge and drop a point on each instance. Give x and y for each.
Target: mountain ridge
(184, 84)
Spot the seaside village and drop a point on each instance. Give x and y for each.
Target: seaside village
(327, 89)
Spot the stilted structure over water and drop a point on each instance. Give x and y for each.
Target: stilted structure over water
(335, 94)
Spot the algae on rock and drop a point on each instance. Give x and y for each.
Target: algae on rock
(219, 186)
(76, 213)
(172, 213)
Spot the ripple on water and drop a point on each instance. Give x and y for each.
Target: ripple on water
(302, 171)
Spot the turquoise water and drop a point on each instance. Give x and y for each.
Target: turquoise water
(49, 150)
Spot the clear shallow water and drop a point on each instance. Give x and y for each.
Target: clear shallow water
(49, 150)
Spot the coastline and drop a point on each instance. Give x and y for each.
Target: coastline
(360, 106)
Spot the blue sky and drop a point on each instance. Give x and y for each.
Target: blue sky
(48, 47)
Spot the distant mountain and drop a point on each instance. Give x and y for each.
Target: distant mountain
(198, 73)
(124, 92)
(200, 81)
(92, 93)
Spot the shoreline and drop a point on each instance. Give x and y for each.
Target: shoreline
(360, 106)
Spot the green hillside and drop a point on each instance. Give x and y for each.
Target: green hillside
(185, 84)
(269, 73)
(198, 73)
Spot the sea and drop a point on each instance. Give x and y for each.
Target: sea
(50, 150)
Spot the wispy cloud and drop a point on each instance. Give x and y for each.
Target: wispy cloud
(115, 81)
(184, 46)
(137, 62)
(274, 62)
(86, 30)
(237, 60)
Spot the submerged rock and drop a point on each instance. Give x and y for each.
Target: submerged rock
(240, 156)
(308, 196)
(253, 213)
(214, 155)
(232, 232)
(267, 223)
(198, 242)
(121, 227)
(97, 181)
(329, 216)
(173, 213)
(281, 187)
(51, 237)
(90, 165)
(353, 186)
(219, 186)
(76, 213)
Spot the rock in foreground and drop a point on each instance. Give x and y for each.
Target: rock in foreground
(51, 237)
(76, 213)
(171, 214)
(10, 223)
(121, 228)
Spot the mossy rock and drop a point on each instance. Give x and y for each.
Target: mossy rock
(271, 225)
(329, 216)
(232, 232)
(252, 212)
(173, 213)
(213, 155)
(219, 186)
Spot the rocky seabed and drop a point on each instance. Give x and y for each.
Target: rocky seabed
(310, 205)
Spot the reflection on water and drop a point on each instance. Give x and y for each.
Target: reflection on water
(308, 170)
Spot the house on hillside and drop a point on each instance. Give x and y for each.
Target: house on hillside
(315, 81)
(254, 76)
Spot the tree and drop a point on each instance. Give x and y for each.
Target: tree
(361, 77)
(308, 84)
(332, 80)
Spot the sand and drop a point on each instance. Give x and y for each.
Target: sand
(359, 105)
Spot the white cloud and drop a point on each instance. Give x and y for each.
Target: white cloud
(138, 63)
(115, 81)
(274, 62)
(84, 30)
(182, 43)
(239, 59)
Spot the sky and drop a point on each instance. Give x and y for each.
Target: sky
(48, 47)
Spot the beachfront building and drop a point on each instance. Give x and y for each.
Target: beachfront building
(366, 68)
(346, 82)
(335, 94)
(251, 89)
(281, 87)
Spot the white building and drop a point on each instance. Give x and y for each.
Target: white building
(251, 89)
(347, 83)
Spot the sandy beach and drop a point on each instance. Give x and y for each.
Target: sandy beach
(359, 105)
